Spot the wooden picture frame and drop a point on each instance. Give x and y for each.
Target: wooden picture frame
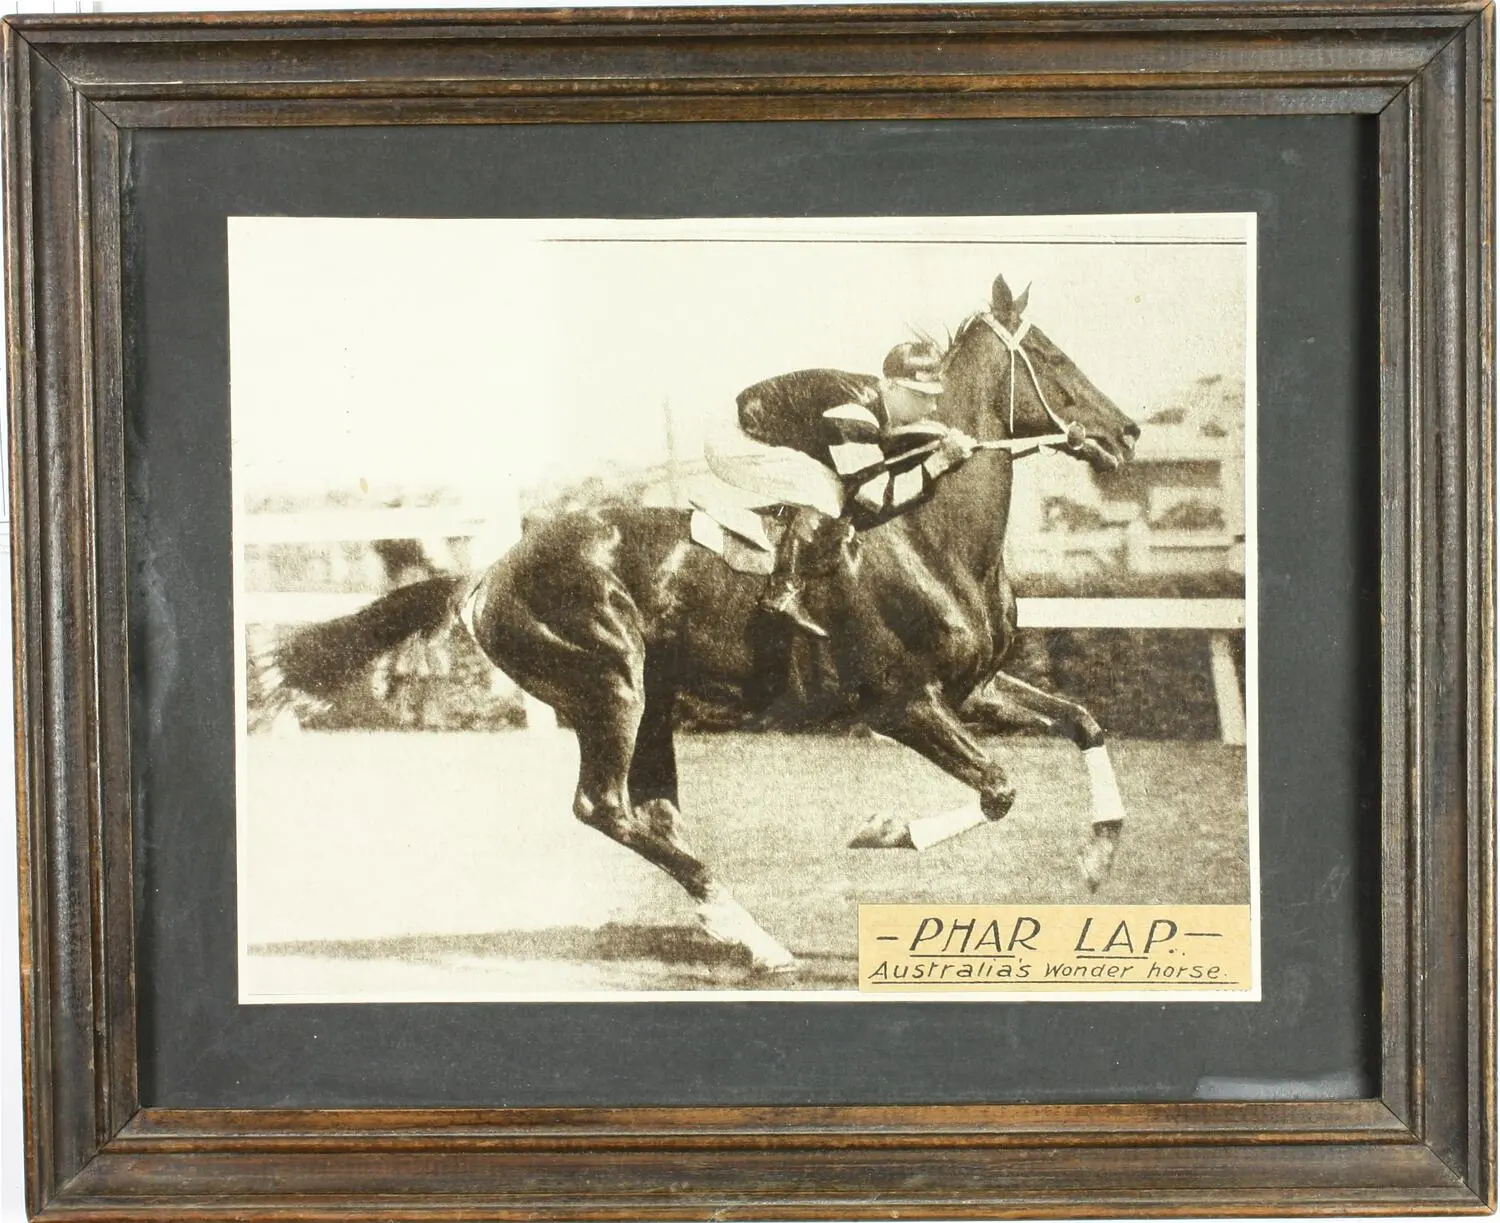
(76, 90)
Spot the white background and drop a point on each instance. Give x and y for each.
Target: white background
(11, 1209)
(341, 328)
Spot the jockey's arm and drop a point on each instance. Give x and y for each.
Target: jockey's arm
(890, 473)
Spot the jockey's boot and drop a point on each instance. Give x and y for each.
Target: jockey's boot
(783, 593)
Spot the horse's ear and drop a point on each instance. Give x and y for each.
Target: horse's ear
(1001, 301)
(1020, 306)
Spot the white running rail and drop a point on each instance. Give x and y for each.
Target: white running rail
(1219, 618)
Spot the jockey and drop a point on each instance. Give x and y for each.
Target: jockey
(841, 448)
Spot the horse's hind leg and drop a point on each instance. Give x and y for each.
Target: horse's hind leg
(607, 722)
(1024, 705)
(658, 837)
(585, 655)
(592, 671)
(653, 767)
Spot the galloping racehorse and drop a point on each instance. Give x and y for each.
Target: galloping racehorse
(608, 613)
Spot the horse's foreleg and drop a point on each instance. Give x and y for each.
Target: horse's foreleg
(927, 724)
(1014, 697)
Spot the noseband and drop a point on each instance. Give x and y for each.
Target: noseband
(1070, 435)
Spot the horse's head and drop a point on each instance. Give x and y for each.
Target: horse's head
(1028, 387)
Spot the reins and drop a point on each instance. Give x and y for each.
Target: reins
(1021, 447)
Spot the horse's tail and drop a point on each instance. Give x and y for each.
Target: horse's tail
(320, 659)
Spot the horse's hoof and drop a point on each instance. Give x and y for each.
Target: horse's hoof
(780, 966)
(725, 920)
(882, 832)
(1098, 856)
(996, 806)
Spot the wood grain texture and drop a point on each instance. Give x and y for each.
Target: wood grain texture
(75, 90)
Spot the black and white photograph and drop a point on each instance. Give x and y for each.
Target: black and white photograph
(654, 609)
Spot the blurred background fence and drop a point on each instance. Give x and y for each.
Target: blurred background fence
(1131, 585)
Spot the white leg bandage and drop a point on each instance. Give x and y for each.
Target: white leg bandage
(929, 830)
(1108, 807)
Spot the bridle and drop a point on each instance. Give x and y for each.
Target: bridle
(1070, 436)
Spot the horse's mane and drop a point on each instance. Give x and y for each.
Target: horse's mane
(948, 347)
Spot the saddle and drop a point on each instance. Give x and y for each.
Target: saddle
(744, 536)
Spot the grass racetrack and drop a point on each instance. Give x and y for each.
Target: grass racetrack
(449, 866)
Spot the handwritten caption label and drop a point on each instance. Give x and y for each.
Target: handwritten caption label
(1108, 949)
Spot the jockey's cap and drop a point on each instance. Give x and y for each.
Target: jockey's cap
(914, 365)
